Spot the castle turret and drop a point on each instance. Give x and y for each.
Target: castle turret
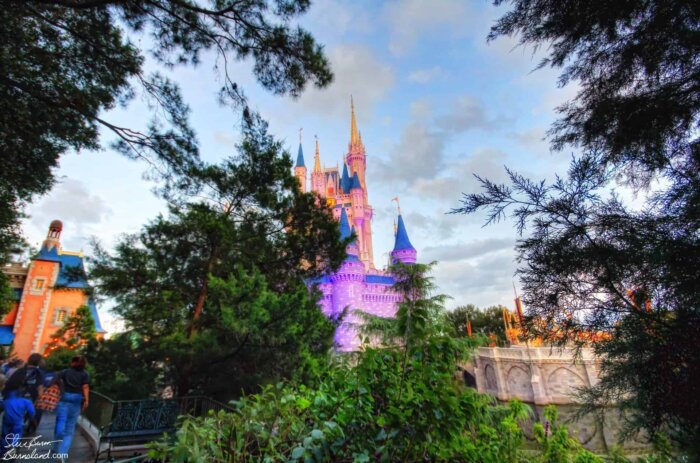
(403, 249)
(300, 167)
(347, 289)
(53, 237)
(317, 180)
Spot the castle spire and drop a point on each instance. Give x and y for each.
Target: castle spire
(355, 138)
(401, 241)
(300, 153)
(317, 159)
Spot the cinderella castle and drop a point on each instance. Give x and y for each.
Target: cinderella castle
(357, 284)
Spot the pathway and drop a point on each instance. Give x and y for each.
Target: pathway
(80, 451)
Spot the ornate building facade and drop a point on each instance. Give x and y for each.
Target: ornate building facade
(46, 292)
(358, 284)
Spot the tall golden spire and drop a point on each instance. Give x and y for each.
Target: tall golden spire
(317, 158)
(355, 140)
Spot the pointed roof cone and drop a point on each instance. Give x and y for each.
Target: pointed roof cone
(402, 242)
(345, 182)
(345, 231)
(300, 157)
(317, 159)
(355, 182)
(354, 133)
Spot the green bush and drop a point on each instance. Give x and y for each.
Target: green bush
(383, 408)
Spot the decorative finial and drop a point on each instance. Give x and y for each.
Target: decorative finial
(300, 129)
(398, 206)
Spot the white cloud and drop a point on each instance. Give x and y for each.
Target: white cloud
(70, 200)
(76, 206)
(425, 75)
(417, 155)
(335, 18)
(465, 113)
(462, 251)
(421, 109)
(410, 19)
(357, 72)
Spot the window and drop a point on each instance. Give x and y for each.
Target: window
(38, 285)
(60, 317)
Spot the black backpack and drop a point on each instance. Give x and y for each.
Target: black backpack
(28, 379)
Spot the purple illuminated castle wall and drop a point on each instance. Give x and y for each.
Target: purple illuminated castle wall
(357, 284)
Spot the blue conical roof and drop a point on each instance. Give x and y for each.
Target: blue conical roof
(355, 181)
(300, 158)
(402, 242)
(345, 181)
(345, 231)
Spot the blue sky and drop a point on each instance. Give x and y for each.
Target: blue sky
(435, 104)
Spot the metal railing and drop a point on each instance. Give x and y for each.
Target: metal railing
(150, 415)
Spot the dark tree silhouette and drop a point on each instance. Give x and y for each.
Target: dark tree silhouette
(588, 260)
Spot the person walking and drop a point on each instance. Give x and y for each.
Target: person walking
(16, 409)
(30, 380)
(75, 383)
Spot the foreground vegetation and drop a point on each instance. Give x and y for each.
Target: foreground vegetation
(398, 403)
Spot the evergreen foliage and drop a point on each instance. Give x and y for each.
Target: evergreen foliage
(217, 289)
(66, 63)
(484, 321)
(401, 403)
(589, 261)
(77, 332)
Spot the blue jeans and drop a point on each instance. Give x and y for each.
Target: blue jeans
(67, 413)
(10, 427)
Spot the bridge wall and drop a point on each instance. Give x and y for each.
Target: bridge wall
(539, 375)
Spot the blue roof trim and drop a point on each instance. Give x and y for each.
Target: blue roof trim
(300, 157)
(379, 279)
(352, 258)
(70, 265)
(6, 335)
(355, 181)
(344, 225)
(49, 254)
(402, 242)
(95, 316)
(320, 280)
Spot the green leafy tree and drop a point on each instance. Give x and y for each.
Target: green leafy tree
(116, 361)
(590, 261)
(77, 332)
(76, 337)
(217, 289)
(67, 63)
(484, 321)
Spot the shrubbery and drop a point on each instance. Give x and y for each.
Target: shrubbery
(380, 408)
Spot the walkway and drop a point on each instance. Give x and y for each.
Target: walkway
(80, 451)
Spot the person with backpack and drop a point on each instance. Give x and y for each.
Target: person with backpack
(30, 380)
(75, 384)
